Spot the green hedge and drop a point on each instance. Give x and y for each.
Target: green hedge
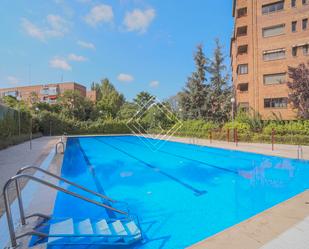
(55, 124)
(13, 140)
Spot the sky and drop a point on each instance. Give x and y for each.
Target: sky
(140, 45)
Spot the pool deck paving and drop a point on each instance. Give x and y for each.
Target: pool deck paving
(18, 156)
(281, 150)
(284, 226)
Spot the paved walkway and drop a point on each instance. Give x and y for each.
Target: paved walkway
(282, 150)
(284, 226)
(15, 157)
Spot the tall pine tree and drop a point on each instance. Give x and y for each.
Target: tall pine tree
(192, 99)
(220, 91)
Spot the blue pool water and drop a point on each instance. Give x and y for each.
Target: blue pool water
(181, 193)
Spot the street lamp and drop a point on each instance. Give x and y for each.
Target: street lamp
(19, 128)
(233, 103)
(36, 109)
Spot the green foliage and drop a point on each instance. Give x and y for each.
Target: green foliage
(242, 128)
(219, 93)
(75, 106)
(252, 118)
(111, 101)
(207, 99)
(127, 111)
(299, 89)
(192, 99)
(144, 99)
(59, 124)
(292, 128)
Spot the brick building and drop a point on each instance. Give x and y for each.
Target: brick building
(45, 93)
(269, 36)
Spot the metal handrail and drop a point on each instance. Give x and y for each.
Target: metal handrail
(46, 183)
(22, 215)
(63, 146)
(65, 180)
(299, 152)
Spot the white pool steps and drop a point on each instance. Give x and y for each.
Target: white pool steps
(86, 232)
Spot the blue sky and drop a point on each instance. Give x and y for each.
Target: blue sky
(138, 44)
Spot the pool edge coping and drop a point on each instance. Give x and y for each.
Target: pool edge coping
(259, 226)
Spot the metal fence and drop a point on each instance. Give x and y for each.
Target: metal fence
(14, 125)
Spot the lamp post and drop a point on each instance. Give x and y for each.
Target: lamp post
(234, 129)
(233, 103)
(36, 109)
(19, 127)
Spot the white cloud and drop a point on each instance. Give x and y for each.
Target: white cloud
(100, 14)
(56, 27)
(154, 83)
(32, 29)
(60, 63)
(84, 44)
(125, 77)
(12, 80)
(139, 20)
(74, 57)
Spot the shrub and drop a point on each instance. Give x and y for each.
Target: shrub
(242, 128)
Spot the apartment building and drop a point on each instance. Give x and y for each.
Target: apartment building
(269, 36)
(47, 93)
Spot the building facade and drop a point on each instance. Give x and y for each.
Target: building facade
(47, 93)
(269, 36)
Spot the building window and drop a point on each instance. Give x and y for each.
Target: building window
(273, 30)
(274, 79)
(241, 12)
(294, 51)
(243, 106)
(242, 69)
(273, 7)
(242, 31)
(276, 103)
(274, 55)
(293, 3)
(243, 49)
(305, 24)
(243, 87)
(294, 26)
(306, 49)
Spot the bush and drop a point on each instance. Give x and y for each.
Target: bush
(242, 128)
(57, 124)
(13, 140)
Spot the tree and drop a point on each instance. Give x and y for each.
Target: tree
(74, 105)
(299, 89)
(193, 98)
(97, 87)
(111, 101)
(219, 92)
(127, 111)
(34, 98)
(144, 99)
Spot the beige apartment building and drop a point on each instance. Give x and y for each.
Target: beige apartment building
(47, 93)
(269, 36)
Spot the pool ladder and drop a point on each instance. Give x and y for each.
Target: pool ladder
(20, 174)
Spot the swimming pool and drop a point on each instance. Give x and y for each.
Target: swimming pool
(181, 193)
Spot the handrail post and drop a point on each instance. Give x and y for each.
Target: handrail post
(60, 142)
(9, 215)
(272, 139)
(210, 137)
(236, 136)
(20, 203)
(228, 135)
